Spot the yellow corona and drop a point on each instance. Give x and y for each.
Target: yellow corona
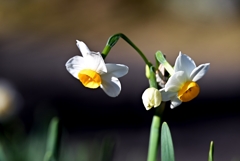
(189, 91)
(89, 78)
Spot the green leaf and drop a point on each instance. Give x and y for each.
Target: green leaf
(211, 152)
(2, 154)
(107, 149)
(52, 141)
(154, 138)
(160, 57)
(167, 150)
(157, 62)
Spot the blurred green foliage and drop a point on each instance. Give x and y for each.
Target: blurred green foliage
(43, 144)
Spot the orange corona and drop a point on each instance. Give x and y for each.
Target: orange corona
(89, 78)
(189, 91)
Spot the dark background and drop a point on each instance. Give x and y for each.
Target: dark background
(38, 37)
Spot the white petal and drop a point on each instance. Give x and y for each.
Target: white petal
(83, 48)
(147, 105)
(111, 85)
(117, 70)
(75, 64)
(166, 96)
(184, 63)
(176, 81)
(147, 100)
(199, 72)
(95, 62)
(175, 102)
(151, 98)
(94, 59)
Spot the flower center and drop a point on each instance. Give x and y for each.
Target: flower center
(89, 78)
(189, 91)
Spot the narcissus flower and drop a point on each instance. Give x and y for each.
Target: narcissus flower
(151, 98)
(182, 86)
(92, 71)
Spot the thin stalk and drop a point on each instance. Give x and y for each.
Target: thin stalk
(113, 40)
(155, 133)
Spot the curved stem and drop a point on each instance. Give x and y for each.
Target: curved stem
(113, 40)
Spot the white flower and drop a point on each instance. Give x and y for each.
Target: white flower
(91, 70)
(151, 98)
(182, 86)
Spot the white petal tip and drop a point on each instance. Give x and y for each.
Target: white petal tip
(148, 108)
(113, 95)
(77, 41)
(112, 87)
(208, 65)
(172, 106)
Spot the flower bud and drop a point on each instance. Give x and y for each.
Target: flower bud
(151, 98)
(147, 71)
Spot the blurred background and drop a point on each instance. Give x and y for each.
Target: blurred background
(37, 37)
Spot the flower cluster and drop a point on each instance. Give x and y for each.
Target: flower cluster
(181, 86)
(92, 72)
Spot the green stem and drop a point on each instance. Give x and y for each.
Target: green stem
(105, 51)
(113, 40)
(155, 133)
(154, 138)
(152, 78)
(156, 122)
